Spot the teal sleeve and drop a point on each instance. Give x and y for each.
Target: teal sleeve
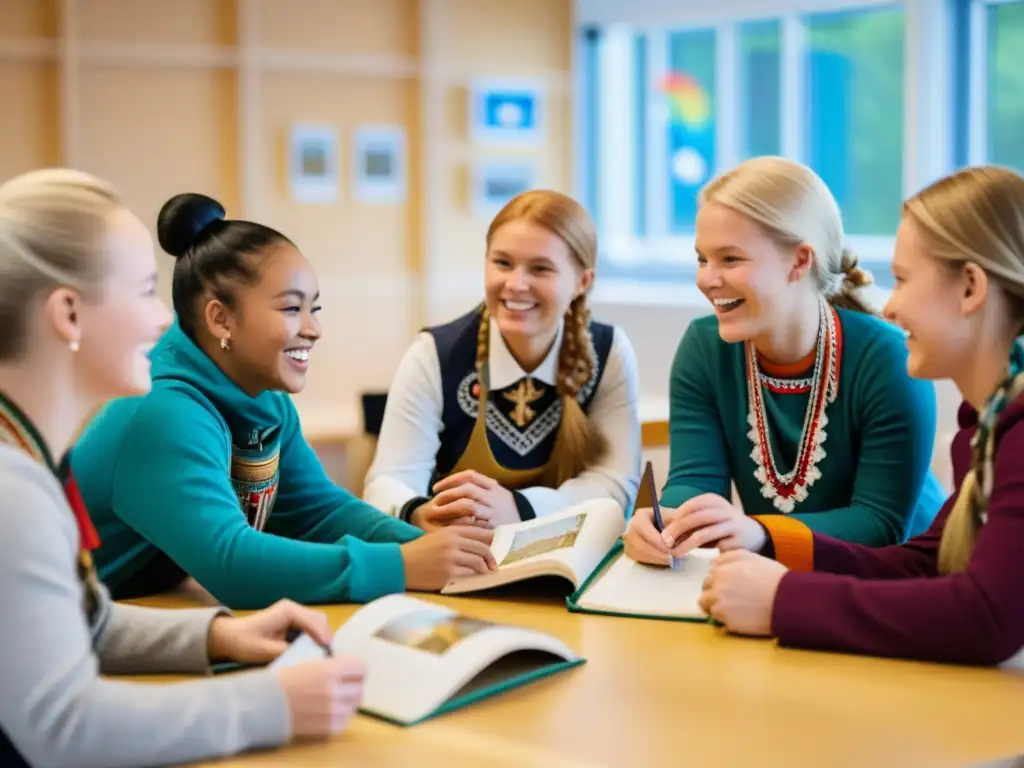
(698, 458)
(897, 435)
(172, 485)
(311, 507)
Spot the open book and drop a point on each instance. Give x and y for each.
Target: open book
(568, 544)
(423, 659)
(620, 586)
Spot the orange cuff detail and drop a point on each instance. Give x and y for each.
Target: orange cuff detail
(793, 541)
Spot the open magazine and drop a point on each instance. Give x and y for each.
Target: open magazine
(567, 544)
(423, 659)
(620, 586)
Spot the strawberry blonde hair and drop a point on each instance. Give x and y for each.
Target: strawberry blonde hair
(579, 444)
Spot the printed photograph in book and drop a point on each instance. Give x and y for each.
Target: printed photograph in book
(430, 630)
(541, 539)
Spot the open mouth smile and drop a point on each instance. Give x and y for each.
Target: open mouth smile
(518, 306)
(298, 358)
(724, 306)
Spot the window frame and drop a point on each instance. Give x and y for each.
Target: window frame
(661, 269)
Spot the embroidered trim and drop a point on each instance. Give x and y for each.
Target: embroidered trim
(786, 386)
(788, 489)
(523, 442)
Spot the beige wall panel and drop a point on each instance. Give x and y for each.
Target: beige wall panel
(464, 229)
(29, 123)
(210, 22)
(508, 38)
(349, 26)
(155, 133)
(359, 250)
(344, 237)
(28, 19)
(367, 326)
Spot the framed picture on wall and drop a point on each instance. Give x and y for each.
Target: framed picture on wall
(378, 164)
(495, 182)
(313, 163)
(506, 112)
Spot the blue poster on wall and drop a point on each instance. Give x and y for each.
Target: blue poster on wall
(506, 112)
(691, 146)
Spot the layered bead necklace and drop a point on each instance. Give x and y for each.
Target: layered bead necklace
(788, 489)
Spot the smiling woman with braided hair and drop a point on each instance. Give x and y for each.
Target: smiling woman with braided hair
(523, 406)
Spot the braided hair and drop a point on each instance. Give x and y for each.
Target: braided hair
(579, 443)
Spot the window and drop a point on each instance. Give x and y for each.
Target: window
(854, 115)
(688, 85)
(1004, 75)
(677, 104)
(760, 82)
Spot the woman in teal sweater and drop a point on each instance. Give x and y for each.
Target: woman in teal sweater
(209, 476)
(793, 391)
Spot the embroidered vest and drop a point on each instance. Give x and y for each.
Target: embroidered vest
(521, 423)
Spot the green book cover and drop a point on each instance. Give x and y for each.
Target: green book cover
(617, 551)
(644, 579)
(423, 659)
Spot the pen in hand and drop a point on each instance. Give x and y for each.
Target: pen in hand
(675, 563)
(294, 634)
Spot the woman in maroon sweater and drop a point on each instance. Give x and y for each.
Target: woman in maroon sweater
(956, 593)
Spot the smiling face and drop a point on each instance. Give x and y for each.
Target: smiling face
(927, 303)
(530, 279)
(273, 324)
(749, 280)
(123, 321)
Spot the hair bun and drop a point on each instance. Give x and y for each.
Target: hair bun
(853, 275)
(182, 220)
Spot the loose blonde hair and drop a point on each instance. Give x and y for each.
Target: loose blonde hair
(975, 215)
(52, 224)
(793, 206)
(579, 443)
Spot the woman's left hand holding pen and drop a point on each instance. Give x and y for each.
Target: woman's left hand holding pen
(263, 636)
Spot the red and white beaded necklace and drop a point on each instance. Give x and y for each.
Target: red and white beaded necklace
(788, 489)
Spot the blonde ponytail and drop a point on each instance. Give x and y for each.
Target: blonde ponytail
(852, 280)
(961, 529)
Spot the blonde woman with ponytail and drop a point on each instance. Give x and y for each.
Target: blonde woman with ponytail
(952, 594)
(793, 391)
(523, 406)
(79, 314)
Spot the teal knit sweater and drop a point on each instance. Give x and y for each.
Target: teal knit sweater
(198, 475)
(875, 487)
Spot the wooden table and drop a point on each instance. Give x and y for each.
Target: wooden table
(657, 693)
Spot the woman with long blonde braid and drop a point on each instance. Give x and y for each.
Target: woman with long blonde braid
(952, 594)
(523, 406)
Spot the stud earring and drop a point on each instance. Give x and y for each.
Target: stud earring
(74, 345)
(225, 344)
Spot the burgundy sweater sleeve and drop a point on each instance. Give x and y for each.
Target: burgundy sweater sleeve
(918, 557)
(972, 617)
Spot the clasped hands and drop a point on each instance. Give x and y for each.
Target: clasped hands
(740, 588)
(467, 498)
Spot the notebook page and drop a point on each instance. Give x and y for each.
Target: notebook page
(627, 586)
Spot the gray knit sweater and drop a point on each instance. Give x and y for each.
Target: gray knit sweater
(55, 705)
